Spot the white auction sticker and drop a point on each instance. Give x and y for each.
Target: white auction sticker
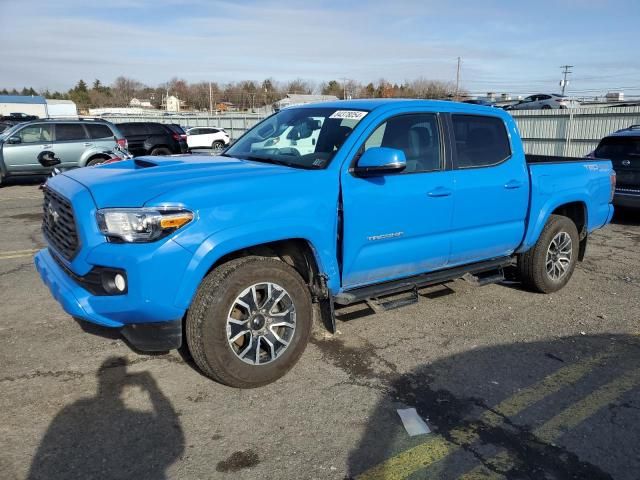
(348, 114)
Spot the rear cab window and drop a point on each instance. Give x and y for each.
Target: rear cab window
(613, 148)
(480, 140)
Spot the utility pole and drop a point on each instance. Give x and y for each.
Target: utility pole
(458, 79)
(565, 71)
(210, 100)
(344, 88)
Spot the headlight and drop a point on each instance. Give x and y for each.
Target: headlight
(141, 224)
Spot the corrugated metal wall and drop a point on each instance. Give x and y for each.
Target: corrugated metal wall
(571, 133)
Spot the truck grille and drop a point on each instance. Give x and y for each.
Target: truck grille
(59, 225)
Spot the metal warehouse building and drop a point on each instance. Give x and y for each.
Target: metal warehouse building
(35, 105)
(31, 105)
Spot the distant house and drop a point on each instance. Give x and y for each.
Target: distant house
(28, 104)
(136, 102)
(173, 104)
(300, 99)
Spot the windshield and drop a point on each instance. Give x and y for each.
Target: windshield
(619, 147)
(298, 137)
(9, 131)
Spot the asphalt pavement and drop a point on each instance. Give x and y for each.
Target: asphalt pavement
(512, 384)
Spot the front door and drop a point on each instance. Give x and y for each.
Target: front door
(397, 225)
(22, 157)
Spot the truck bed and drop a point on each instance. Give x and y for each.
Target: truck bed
(557, 159)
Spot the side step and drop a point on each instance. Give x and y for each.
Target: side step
(472, 272)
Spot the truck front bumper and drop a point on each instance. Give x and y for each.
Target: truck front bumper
(148, 325)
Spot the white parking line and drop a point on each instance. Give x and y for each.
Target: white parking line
(18, 254)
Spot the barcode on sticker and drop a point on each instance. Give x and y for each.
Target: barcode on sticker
(349, 114)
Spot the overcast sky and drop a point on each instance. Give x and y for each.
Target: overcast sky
(514, 46)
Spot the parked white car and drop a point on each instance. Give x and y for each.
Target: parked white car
(545, 102)
(207, 137)
(300, 138)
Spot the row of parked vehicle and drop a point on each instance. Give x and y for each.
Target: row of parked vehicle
(89, 142)
(539, 101)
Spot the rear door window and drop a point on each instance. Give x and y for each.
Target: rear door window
(156, 129)
(99, 131)
(481, 141)
(130, 129)
(67, 132)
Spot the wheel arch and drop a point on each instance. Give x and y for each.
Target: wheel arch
(573, 208)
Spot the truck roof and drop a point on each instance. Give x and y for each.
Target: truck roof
(371, 104)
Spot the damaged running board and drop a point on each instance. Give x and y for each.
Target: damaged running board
(492, 270)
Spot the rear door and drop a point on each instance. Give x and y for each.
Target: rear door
(624, 153)
(136, 134)
(398, 224)
(23, 156)
(71, 141)
(101, 136)
(491, 190)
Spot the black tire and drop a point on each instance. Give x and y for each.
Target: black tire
(217, 146)
(96, 161)
(160, 151)
(532, 265)
(546, 107)
(206, 322)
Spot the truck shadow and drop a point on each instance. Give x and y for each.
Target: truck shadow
(558, 409)
(100, 437)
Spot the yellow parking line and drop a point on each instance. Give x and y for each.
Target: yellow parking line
(437, 447)
(564, 421)
(18, 254)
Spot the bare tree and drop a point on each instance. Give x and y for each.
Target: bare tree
(123, 90)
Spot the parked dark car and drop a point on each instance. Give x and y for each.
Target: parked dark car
(623, 149)
(18, 117)
(150, 138)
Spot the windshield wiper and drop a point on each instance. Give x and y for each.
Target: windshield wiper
(274, 161)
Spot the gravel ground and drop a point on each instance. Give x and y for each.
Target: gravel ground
(512, 384)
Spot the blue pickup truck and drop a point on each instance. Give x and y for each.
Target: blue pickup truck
(320, 205)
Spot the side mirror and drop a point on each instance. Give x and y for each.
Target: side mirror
(380, 161)
(14, 140)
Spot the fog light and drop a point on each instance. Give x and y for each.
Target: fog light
(120, 282)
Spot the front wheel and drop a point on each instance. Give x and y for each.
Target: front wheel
(548, 266)
(160, 151)
(250, 321)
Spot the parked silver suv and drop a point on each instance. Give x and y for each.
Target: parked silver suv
(77, 143)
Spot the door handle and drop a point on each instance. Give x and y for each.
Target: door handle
(440, 192)
(88, 144)
(511, 184)
(47, 146)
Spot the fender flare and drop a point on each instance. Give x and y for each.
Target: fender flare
(237, 238)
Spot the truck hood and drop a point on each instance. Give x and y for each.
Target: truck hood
(133, 183)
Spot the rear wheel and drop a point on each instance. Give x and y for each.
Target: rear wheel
(549, 265)
(217, 146)
(96, 161)
(250, 321)
(160, 151)
(546, 107)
